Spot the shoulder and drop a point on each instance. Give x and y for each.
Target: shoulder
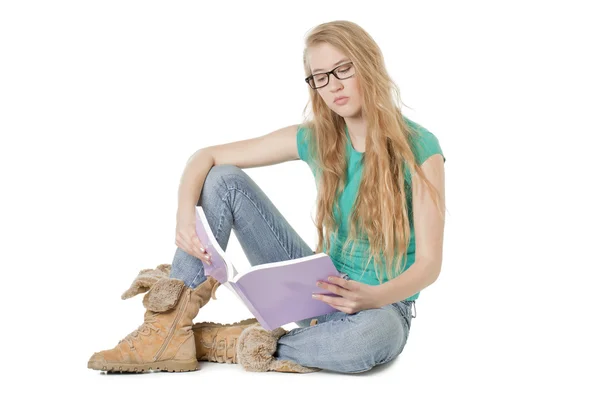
(425, 144)
(304, 131)
(303, 139)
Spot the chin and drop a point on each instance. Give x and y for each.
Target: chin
(345, 112)
(349, 113)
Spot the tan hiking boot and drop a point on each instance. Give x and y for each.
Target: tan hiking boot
(218, 342)
(245, 343)
(165, 340)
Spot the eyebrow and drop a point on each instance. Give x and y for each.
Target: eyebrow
(336, 64)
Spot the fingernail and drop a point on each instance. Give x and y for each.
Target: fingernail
(315, 296)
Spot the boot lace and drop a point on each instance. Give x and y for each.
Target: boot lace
(219, 350)
(144, 329)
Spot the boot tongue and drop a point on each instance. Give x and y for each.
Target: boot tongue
(164, 295)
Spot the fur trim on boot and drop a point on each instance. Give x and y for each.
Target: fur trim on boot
(164, 295)
(256, 347)
(148, 277)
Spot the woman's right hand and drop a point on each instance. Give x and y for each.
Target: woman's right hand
(186, 238)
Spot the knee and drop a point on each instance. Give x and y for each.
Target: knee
(220, 178)
(381, 334)
(221, 173)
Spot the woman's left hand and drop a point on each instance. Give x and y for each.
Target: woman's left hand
(355, 296)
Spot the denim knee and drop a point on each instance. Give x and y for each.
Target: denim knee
(218, 174)
(218, 182)
(383, 336)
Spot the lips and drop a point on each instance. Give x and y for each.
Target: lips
(341, 99)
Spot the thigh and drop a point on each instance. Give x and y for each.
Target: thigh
(333, 316)
(403, 308)
(238, 203)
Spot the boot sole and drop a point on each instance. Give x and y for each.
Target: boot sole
(167, 366)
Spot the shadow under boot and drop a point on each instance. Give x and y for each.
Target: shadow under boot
(165, 340)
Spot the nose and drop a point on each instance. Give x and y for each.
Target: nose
(334, 83)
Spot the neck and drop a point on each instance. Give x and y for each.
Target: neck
(357, 128)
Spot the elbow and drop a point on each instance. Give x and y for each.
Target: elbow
(432, 268)
(200, 153)
(436, 270)
(201, 150)
(435, 273)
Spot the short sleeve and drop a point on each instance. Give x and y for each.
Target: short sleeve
(426, 144)
(302, 142)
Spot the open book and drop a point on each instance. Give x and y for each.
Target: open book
(275, 293)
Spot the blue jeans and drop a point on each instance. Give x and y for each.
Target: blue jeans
(339, 342)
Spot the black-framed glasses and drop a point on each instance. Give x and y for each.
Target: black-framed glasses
(344, 71)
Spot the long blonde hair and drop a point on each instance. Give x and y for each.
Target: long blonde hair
(381, 206)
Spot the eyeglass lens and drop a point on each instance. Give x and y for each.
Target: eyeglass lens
(342, 72)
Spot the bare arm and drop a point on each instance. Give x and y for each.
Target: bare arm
(273, 148)
(429, 237)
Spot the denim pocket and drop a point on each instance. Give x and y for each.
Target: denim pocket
(405, 309)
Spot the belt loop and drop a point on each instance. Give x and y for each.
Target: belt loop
(414, 305)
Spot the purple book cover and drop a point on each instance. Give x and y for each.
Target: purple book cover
(275, 293)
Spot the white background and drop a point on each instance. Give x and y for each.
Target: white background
(102, 103)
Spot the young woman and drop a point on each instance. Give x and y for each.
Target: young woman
(380, 216)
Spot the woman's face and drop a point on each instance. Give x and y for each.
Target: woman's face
(323, 58)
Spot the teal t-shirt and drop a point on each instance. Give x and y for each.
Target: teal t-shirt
(426, 145)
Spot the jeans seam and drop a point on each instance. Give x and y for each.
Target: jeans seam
(195, 283)
(221, 217)
(229, 190)
(298, 330)
(359, 371)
